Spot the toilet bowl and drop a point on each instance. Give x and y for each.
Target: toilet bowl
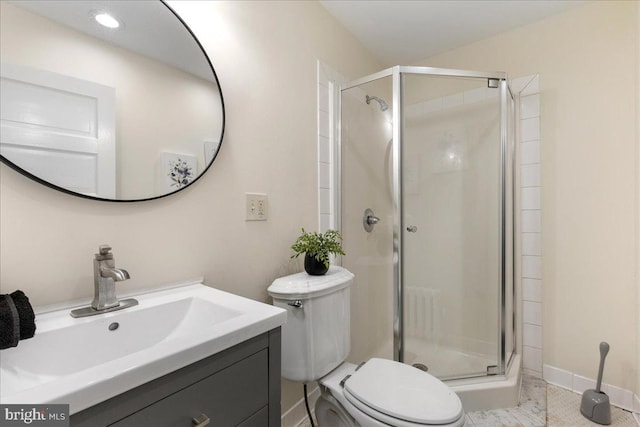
(379, 392)
(369, 399)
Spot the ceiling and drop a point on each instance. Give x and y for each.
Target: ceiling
(147, 28)
(396, 32)
(402, 32)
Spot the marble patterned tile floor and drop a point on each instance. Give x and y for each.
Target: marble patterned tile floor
(531, 412)
(540, 405)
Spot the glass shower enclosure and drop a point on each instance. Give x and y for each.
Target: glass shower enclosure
(431, 153)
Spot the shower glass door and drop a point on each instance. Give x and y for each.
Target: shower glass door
(430, 152)
(452, 224)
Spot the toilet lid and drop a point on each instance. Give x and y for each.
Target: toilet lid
(404, 392)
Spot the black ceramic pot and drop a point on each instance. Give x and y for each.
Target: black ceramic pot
(314, 267)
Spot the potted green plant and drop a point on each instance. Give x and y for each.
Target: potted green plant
(317, 247)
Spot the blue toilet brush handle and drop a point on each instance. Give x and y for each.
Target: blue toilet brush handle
(604, 349)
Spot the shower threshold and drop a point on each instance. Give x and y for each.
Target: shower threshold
(490, 392)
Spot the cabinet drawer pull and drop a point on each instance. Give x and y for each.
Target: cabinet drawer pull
(201, 420)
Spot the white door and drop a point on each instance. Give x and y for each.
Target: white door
(59, 128)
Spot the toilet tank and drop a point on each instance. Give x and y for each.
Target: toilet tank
(316, 337)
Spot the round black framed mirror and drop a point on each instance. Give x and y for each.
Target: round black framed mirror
(127, 109)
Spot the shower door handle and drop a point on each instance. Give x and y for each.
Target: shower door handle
(412, 229)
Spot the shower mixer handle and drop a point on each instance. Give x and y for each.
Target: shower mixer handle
(369, 220)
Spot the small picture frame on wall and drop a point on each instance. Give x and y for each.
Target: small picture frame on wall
(178, 170)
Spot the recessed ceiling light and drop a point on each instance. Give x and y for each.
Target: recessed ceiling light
(107, 20)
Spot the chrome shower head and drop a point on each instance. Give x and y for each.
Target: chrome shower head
(383, 104)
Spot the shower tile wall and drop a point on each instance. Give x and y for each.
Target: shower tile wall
(328, 81)
(531, 227)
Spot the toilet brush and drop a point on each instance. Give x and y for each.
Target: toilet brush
(595, 404)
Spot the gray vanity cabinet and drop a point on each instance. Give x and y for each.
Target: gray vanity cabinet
(236, 387)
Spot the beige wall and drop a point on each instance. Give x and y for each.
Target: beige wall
(586, 61)
(637, 213)
(265, 55)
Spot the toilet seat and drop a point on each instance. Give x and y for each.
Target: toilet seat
(389, 390)
(375, 379)
(386, 420)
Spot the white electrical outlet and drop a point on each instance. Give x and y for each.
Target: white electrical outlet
(257, 207)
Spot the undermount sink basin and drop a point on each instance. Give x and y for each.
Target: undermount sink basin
(84, 361)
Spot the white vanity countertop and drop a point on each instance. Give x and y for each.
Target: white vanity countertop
(82, 362)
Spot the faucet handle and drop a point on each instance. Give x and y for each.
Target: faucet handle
(104, 249)
(104, 253)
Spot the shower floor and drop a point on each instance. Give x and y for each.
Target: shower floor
(442, 362)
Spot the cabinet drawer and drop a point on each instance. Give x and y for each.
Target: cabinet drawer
(259, 419)
(227, 398)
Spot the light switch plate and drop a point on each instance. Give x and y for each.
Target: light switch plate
(256, 207)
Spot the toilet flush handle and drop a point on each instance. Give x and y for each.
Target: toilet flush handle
(297, 304)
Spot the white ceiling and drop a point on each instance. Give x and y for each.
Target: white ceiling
(397, 32)
(147, 28)
(403, 32)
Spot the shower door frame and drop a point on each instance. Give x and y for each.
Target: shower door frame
(506, 155)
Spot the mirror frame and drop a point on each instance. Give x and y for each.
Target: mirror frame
(206, 169)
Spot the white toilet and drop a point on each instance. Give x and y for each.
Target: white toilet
(315, 344)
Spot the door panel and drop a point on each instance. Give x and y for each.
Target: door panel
(46, 115)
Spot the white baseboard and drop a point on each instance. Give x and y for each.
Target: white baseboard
(618, 396)
(298, 413)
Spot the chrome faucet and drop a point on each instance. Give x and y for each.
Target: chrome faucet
(105, 276)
